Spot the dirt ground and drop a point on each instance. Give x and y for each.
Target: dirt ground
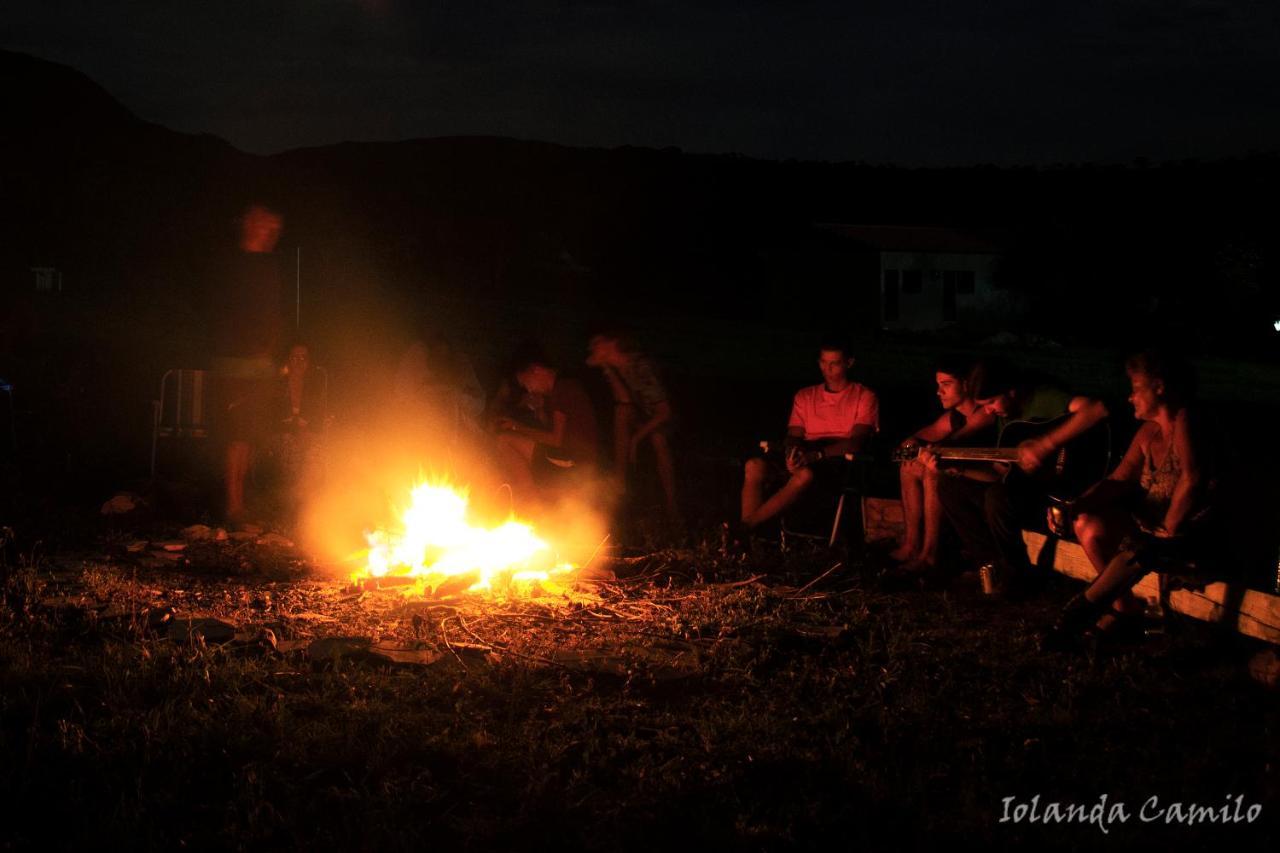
(231, 694)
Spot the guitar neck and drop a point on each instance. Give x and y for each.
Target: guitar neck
(977, 454)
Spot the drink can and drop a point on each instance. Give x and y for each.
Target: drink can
(987, 575)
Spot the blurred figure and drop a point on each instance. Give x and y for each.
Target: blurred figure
(247, 322)
(642, 411)
(438, 385)
(555, 443)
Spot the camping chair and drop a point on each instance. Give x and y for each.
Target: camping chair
(181, 411)
(847, 498)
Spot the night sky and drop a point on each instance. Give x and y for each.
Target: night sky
(910, 82)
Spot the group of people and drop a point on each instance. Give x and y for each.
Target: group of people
(987, 468)
(975, 476)
(545, 427)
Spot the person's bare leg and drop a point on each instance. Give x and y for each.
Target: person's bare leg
(1099, 534)
(623, 417)
(237, 470)
(932, 520)
(932, 514)
(753, 477)
(782, 499)
(666, 472)
(910, 475)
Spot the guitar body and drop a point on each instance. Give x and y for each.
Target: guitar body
(1075, 467)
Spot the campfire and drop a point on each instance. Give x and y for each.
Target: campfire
(437, 549)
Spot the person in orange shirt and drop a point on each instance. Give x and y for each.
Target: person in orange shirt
(828, 421)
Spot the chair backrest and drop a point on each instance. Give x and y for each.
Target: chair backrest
(182, 410)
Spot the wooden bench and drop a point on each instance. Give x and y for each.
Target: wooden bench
(1248, 611)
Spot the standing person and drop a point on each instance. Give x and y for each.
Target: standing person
(561, 439)
(642, 409)
(828, 420)
(1160, 491)
(962, 420)
(988, 510)
(248, 317)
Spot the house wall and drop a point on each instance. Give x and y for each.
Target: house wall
(943, 296)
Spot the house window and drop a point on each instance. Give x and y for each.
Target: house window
(912, 281)
(889, 304)
(48, 279)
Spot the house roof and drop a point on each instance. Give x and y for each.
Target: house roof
(914, 238)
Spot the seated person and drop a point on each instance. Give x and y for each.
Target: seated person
(828, 420)
(989, 509)
(296, 420)
(1160, 491)
(436, 385)
(638, 395)
(962, 421)
(558, 435)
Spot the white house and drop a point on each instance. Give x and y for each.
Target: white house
(930, 277)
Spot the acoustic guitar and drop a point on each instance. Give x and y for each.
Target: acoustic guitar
(1075, 466)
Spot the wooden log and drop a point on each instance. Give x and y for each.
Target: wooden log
(1231, 605)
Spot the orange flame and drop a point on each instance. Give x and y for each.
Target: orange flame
(436, 542)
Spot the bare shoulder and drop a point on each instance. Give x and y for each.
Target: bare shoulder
(1146, 433)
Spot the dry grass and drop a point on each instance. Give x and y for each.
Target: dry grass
(694, 704)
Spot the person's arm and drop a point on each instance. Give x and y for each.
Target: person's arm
(662, 413)
(858, 438)
(979, 422)
(933, 432)
(1085, 412)
(621, 394)
(553, 437)
(1187, 490)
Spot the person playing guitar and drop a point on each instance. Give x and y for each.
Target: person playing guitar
(829, 422)
(990, 503)
(962, 421)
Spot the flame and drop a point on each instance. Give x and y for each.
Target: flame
(437, 543)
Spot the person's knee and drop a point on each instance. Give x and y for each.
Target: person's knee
(914, 471)
(1087, 526)
(755, 470)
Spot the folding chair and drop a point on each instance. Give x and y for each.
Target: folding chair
(854, 488)
(181, 411)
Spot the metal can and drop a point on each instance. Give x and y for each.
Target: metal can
(987, 575)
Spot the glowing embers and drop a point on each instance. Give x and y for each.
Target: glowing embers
(439, 548)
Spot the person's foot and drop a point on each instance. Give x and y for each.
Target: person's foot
(1070, 632)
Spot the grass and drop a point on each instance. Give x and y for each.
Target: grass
(720, 713)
